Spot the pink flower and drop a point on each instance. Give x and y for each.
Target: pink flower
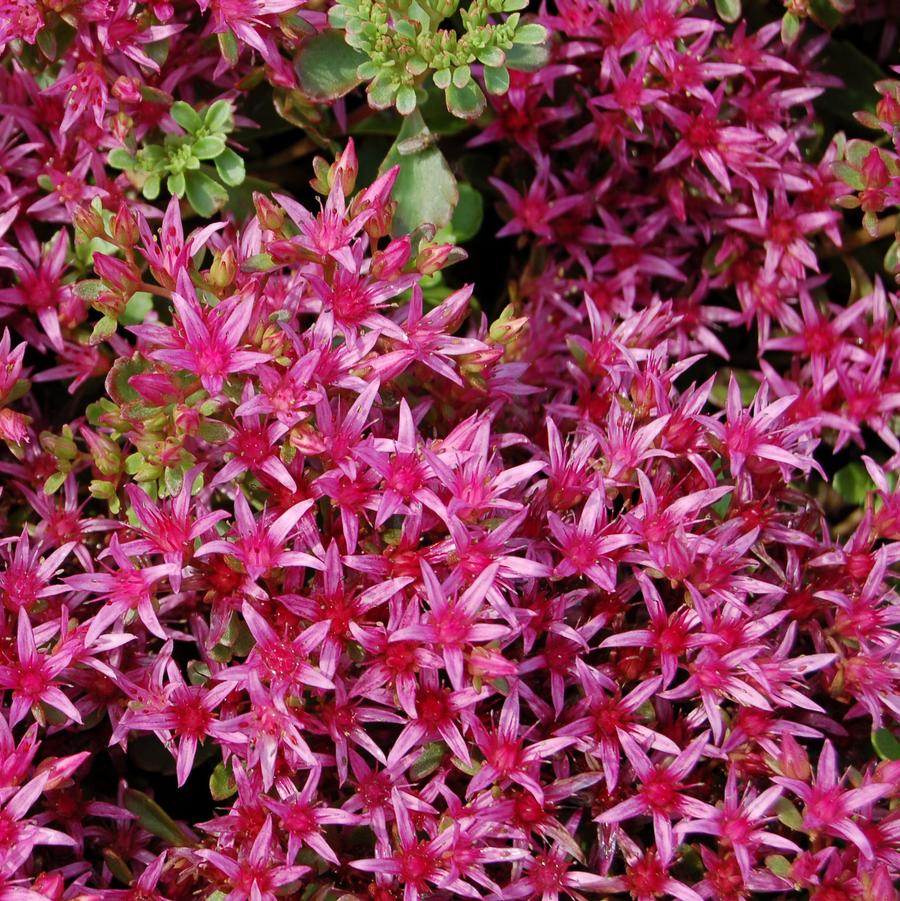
(829, 808)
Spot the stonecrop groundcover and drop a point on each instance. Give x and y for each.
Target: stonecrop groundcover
(449, 450)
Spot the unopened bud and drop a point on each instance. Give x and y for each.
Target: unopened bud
(126, 89)
(124, 227)
(118, 274)
(434, 257)
(507, 327)
(269, 214)
(107, 456)
(390, 261)
(89, 221)
(793, 761)
(60, 769)
(48, 885)
(223, 270)
(13, 426)
(346, 168)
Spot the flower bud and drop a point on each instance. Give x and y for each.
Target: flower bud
(223, 270)
(106, 454)
(124, 227)
(88, 220)
(389, 262)
(270, 216)
(49, 885)
(126, 89)
(793, 761)
(118, 274)
(434, 257)
(346, 168)
(14, 426)
(506, 328)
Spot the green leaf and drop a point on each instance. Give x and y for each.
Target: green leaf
(779, 865)
(176, 184)
(137, 308)
(117, 866)
(120, 158)
(467, 217)
(790, 28)
(54, 483)
(259, 262)
(853, 483)
(154, 819)
(467, 102)
(406, 100)
(218, 117)
(186, 116)
(117, 379)
(886, 744)
(462, 75)
(90, 289)
(228, 47)
(846, 173)
(428, 761)
(230, 167)
(425, 190)
(491, 56)
(892, 257)
(46, 40)
(381, 92)
(326, 66)
(221, 783)
(530, 34)
(205, 195)
(788, 814)
(442, 78)
(858, 73)
(824, 14)
(496, 80)
(208, 148)
(213, 432)
(151, 187)
(728, 10)
(527, 58)
(103, 329)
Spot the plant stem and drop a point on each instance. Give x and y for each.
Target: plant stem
(861, 237)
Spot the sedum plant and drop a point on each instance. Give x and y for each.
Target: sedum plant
(339, 562)
(400, 45)
(195, 162)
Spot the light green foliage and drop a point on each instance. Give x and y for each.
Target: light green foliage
(196, 163)
(400, 43)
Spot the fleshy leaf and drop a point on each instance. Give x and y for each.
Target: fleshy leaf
(425, 190)
(326, 66)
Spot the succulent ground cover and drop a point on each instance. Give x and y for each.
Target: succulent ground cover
(449, 450)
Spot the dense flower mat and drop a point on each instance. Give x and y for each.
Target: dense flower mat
(511, 512)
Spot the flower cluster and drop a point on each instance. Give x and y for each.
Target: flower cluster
(324, 575)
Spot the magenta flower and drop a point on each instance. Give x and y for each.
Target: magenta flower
(506, 757)
(253, 875)
(741, 824)
(22, 835)
(209, 340)
(182, 716)
(302, 819)
(827, 807)
(660, 794)
(40, 289)
(127, 592)
(32, 678)
(281, 661)
(587, 546)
